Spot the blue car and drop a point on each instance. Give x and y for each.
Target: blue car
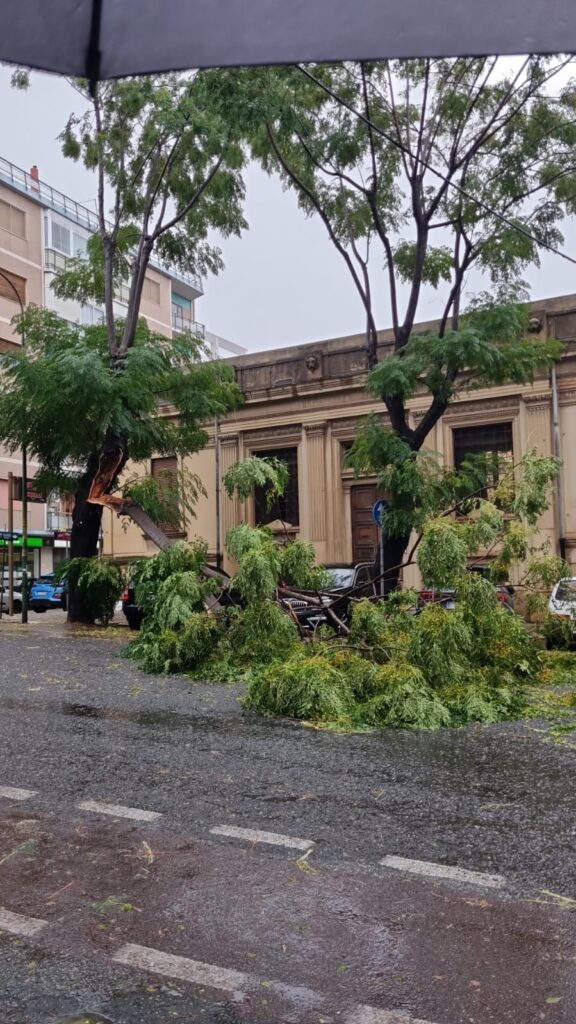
(45, 593)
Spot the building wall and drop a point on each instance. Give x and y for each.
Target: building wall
(312, 396)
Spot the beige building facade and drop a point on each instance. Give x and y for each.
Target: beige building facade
(303, 405)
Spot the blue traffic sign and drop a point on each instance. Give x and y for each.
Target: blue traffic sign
(379, 509)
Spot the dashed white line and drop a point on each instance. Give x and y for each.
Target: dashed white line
(427, 868)
(182, 967)
(118, 810)
(18, 924)
(13, 793)
(213, 976)
(373, 1015)
(255, 835)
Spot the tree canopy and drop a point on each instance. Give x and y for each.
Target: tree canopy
(63, 396)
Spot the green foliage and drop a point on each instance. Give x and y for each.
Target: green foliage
(259, 560)
(395, 669)
(297, 567)
(442, 553)
(99, 581)
(170, 164)
(244, 476)
(169, 501)
(306, 685)
(62, 394)
(149, 574)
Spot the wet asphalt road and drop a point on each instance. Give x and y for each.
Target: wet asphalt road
(77, 721)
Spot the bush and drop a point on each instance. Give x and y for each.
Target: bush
(99, 582)
(303, 686)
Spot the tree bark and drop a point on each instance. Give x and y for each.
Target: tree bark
(87, 516)
(86, 522)
(394, 551)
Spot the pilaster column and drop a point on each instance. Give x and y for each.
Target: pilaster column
(315, 481)
(539, 422)
(229, 454)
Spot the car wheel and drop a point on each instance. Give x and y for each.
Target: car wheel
(39, 611)
(17, 606)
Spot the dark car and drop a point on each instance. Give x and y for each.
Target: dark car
(226, 598)
(46, 593)
(448, 597)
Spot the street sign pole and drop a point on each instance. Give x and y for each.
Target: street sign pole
(382, 586)
(11, 544)
(379, 510)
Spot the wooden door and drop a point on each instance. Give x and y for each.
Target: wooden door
(364, 529)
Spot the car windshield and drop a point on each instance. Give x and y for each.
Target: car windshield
(341, 577)
(45, 581)
(566, 591)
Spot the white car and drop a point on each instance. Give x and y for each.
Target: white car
(17, 600)
(562, 603)
(563, 599)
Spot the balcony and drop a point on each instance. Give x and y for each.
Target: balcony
(183, 323)
(58, 521)
(52, 199)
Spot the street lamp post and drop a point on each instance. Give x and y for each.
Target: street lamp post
(24, 480)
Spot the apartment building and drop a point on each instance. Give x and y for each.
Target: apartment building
(303, 405)
(40, 229)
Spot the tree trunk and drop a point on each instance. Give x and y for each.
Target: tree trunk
(105, 464)
(86, 522)
(394, 551)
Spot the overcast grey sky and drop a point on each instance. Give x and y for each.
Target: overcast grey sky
(282, 283)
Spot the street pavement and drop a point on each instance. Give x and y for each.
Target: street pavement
(165, 857)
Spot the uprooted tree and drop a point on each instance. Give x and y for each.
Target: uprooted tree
(168, 170)
(422, 172)
(396, 663)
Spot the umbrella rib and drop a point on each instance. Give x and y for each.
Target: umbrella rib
(93, 53)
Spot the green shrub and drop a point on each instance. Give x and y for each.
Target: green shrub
(99, 581)
(303, 686)
(403, 700)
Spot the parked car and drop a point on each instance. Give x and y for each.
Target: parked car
(448, 596)
(45, 593)
(562, 607)
(17, 600)
(134, 613)
(347, 582)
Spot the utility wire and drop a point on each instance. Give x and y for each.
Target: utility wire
(452, 184)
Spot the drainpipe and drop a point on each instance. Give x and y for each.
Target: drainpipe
(557, 447)
(218, 494)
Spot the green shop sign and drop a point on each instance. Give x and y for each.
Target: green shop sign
(32, 542)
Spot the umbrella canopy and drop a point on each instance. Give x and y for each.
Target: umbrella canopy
(112, 38)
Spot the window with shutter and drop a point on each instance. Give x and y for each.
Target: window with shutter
(61, 238)
(13, 284)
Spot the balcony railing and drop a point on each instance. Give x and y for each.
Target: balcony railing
(185, 324)
(61, 521)
(50, 197)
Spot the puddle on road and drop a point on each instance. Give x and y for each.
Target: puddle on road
(168, 719)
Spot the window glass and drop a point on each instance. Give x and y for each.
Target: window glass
(286, 508)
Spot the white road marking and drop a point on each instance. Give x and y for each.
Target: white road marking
(181, 967)
(424, 867)
(256, 835)
(212, 976)
(373, 1015)
(18, 924)
(118, 810)
(13, 793)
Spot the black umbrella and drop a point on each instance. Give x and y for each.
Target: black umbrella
(112, 38)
